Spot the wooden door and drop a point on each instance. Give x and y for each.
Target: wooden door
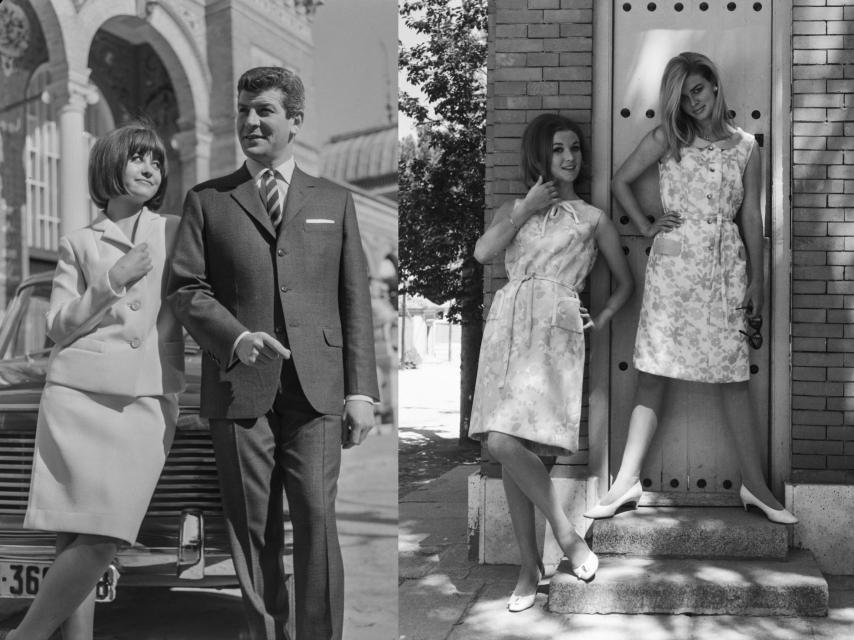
(691, 460)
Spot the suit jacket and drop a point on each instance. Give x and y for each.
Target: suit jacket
(307, 286)
(125, 343)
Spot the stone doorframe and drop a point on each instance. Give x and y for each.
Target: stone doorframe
(780, 416)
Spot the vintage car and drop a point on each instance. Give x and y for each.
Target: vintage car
(182, 540)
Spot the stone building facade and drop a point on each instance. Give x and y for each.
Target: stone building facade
(564, 56)
(72, 69)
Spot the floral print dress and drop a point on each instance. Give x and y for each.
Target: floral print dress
(696, 276)
(532, 354)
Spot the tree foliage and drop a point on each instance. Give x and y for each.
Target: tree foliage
(441, 175)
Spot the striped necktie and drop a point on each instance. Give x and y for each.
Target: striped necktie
(272, 198)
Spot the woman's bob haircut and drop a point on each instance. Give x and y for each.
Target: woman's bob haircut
(537, 141)
(110, 155)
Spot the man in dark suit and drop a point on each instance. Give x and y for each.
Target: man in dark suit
(269, 276)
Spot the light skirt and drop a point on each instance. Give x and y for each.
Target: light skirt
(97, 460)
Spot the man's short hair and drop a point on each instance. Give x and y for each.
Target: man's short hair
(263, 78)
(109, 157)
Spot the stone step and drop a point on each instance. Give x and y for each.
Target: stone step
(707, 532)
(631, 584)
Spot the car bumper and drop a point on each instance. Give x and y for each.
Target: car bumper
(188, 551)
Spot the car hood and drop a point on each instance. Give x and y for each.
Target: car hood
(22, 381)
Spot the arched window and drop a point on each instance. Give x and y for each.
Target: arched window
(41, 160)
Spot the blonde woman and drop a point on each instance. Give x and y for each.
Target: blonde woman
(703, 293)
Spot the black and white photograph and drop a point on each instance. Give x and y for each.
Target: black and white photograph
(198, 351)
(626, 376)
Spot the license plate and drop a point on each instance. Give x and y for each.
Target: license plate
(23, 579)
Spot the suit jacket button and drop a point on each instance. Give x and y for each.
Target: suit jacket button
(134, 344)
(281, 252)
(283, 289)
(134, 306)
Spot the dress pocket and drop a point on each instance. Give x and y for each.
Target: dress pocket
(664, 246)
(567, 315)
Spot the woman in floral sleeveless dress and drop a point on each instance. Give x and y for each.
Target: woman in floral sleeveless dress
(527, 399)
(703, 291)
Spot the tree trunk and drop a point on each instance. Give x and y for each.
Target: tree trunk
(470, 337)
(469, 352)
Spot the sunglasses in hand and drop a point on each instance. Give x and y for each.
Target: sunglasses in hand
(754, 323)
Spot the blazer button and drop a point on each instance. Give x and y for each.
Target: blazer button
(708, 196)
(134, 306)
(134, 344)
(283, 289)
(281, 252)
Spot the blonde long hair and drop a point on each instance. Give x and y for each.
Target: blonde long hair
(679, 128)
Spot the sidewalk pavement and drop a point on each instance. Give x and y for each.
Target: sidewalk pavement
(443, 595)
(367, 524)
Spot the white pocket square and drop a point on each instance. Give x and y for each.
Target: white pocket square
(319, 221)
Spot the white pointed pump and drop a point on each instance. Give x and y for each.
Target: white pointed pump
(780, 516)
(629, 499)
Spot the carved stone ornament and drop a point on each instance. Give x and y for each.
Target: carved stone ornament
(14, 35)
(308, 7)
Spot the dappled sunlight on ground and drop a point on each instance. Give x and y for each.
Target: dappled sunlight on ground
(428, 438)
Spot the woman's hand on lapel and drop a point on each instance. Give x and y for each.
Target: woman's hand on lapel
(131, 267)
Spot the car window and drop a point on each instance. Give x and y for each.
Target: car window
(24, 330)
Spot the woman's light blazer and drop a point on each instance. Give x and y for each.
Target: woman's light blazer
(125, 343)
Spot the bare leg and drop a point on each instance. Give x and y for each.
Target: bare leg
(80, 625)
(649, 399)
(66, 587)
(522, 517)
(741, 424)
(530, 475)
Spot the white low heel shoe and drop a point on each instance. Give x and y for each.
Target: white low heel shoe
(629, 499)
(519, 603)
(780, 516)
(587, 569)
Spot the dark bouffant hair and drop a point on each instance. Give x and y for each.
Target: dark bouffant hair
(537, 142)
(109, 157)
(263, 78)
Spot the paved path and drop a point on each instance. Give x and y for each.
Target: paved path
(446, 596)
(429, 424)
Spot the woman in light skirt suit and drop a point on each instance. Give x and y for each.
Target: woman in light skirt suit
(110, 403)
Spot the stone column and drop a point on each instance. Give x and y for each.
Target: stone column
(194, 147)
(74, 153)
